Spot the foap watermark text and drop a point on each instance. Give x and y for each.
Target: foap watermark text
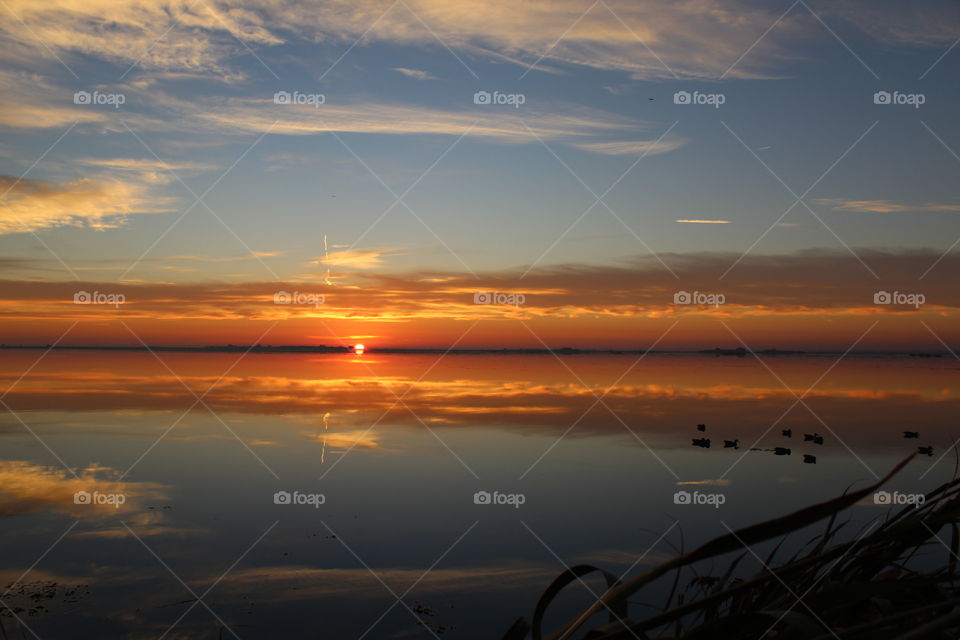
(698, 498)
(487, 497)
(696, 97)
(99, 297)
(899, 297)
(297, 498)
(699, 297)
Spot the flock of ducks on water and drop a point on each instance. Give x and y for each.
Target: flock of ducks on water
(815, 438)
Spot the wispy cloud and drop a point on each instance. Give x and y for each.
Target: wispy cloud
(884, 206)
(632, 147)
(653, 39)
(101, 203)
(355, 258)
(415, 73)
(704, 221)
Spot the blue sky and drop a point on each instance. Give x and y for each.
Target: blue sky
(492, 187)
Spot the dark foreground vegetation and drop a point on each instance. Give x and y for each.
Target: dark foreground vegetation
(865, 588)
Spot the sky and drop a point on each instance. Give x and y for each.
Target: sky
(623, 174)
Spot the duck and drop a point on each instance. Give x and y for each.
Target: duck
(728, 444)
(911, 434)
(817, 439)
(702, 442)
(787, 432)
(928, 451)
(809, 459)
(701, 427)
(808, 437)
(781, 451)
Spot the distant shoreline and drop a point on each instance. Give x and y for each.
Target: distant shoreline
(231, 348)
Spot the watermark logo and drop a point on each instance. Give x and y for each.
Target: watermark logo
(898, 297)
(312, 499)
(97, 97)
(313, 99)
(699, 297)
(711, 99)
(98, 297)
(896, 498)
(298, 297)
(895, 97)
(698, 498)
(510, 99)
(97, 498)
(487, 297)
(486, 497)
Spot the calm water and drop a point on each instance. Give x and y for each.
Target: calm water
(398, 446)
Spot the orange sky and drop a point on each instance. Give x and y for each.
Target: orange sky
(806, 300)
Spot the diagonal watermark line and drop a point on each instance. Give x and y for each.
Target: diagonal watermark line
(953, 446)
(218, 580)
(180, 580)
(799, 199)
(403, 595)
(937, 61)
(582, 582)
(240, 40)
(412, 186)
(42, 556)
(940, 540)
(800, 399)
(639, 39)
(598, 199)
(821, 577)
(439, 39)
(22, 575)
(649, 549)
(199, 200)
(757, 41)
(400, 200)
(399, 599)
(357, 41)
(399, 400)
(839, 39)
(599, 400)
(557, 41)
(24, 175)
(800, 599)
(23, 623)
(143, 55)
(39, 439)
(39, 39)
(38, 360)
(199, 400)
(957, 241)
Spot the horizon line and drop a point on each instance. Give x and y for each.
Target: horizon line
(260, 348)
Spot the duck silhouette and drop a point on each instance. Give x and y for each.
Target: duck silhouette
(911, 434)
(701, 427)
(702, 442)
(787, 432)
(781, 451)
(817, 439)
(928, 451)
(809, 459)
(728, 444)
(809, 437)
